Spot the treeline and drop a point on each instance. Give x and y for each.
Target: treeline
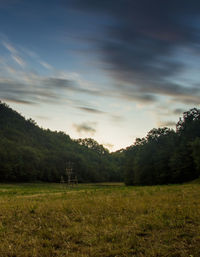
(166, 156)
(30, 153)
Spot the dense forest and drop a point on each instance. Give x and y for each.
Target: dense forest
(165, 156)
(30, 153)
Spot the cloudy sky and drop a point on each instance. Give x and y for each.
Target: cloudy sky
(110, 69)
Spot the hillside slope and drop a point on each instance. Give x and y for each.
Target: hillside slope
(30, 153)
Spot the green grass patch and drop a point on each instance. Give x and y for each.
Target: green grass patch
(97, 220)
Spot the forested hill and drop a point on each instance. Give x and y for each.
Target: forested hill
(165, 156)
(30, 153)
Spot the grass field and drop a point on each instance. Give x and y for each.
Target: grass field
(47, 220)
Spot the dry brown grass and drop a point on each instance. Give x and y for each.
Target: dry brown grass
(99, 221)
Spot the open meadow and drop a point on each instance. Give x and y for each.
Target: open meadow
(49, 220)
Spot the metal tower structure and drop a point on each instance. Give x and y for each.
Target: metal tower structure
(71, 176)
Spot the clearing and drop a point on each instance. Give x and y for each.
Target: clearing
(52, 220)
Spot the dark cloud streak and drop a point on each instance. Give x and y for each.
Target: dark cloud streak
(16, 100)
(139, 46)
(91, 110)
(86, 128)
(52, 89)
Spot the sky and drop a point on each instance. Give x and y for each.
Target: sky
(111, 70)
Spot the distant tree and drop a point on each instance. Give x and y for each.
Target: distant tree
(196, 154)
(189, 125)
(92, 144)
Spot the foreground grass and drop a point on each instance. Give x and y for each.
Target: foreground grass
(45, 220)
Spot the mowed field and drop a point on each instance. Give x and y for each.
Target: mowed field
(45, 220)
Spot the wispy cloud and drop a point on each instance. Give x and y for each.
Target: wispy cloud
(9, 47)
(14, 54)
(117, 118)
(26, 86)
(86, 128)
(91, 110)
(46, 65)
(16, 101)
(19, 60)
